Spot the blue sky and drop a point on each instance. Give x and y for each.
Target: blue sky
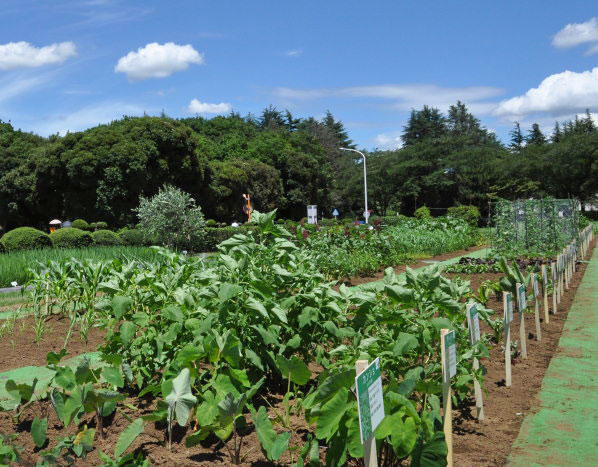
(69, 65)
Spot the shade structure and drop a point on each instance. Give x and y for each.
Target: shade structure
(55, 222)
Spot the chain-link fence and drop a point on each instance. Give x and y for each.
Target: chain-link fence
(534, 226)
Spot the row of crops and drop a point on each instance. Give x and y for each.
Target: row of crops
(211, 342)
(348, 251)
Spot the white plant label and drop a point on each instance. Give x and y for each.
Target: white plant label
(521, 298)
(450, 348)
(473, 322)
(535, 285)
(509, 308)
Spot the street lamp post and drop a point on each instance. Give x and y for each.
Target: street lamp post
(365, 182)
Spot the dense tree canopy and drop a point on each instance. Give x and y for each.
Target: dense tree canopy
(286, 162)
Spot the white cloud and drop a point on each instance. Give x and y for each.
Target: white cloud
(87, 117)
(157, 61)
(293, 52)
(198, 107)
(19, 85)
(592, 50)
(388, 141)
(405, 96)
(558, 94)
(24, 55)
(576, 33)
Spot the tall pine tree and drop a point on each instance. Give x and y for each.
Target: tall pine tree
(516, 137)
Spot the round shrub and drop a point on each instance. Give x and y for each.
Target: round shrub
(101, 225)
(106, 238)
(80, 224)
(132, 237)
(2, 249)
(25, 238)
(423, 213)
(71, 237)
(469, 214)
(211, 223)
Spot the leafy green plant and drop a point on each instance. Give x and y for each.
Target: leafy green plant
(83, 391)
(69, 449)
(9, 452)
(126, 438)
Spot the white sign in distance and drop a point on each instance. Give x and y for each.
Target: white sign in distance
(312, 214)
(335, 212)
(370, 400)
(473, 322)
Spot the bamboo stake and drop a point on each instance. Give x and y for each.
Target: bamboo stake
(522, 333)
(507, 302)
(536, 294)
(545, 293)
(477, 389)
(447, 403)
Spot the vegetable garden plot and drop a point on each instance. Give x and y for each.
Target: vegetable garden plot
(256, 345)
(534, 227)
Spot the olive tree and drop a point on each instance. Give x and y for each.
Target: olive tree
(172, 218)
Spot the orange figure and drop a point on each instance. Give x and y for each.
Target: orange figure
(247, 209)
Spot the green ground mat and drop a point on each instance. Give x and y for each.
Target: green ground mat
(379, 284)
(564, 431)
(27, 374)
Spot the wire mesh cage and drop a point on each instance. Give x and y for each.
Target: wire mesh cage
(534, 226)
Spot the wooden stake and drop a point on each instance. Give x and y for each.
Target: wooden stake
(536, 308)
(522, 333)
(555, 289)
(370, 458)
(507, 340)
(447, 403)
(545, 294)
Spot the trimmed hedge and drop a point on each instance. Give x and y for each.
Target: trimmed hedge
(80, 224)
(216, 235)
(71, 237)
(132, 237)
(105, 238)
(469, 214)
(25, 238)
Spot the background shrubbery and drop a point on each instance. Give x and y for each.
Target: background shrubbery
(71, 237)
(81, 224)
(25, 238)
(106, 238)
(469, 214)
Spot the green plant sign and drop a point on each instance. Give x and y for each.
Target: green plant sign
(369, 400)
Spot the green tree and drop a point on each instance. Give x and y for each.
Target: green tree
(171, 218)
(535, 135)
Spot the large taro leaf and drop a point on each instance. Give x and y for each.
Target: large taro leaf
(294, 369)
(330, 414)
(272, 443)
(431, 453)
(180, 400)
(127, 437)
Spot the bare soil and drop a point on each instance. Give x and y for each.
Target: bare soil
(18, 347)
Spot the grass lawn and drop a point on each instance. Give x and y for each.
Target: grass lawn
(14, 265)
